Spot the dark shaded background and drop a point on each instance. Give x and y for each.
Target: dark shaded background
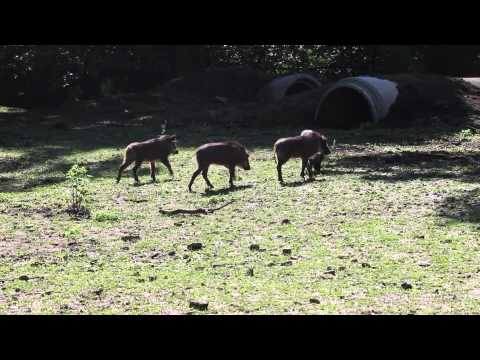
(34, 76)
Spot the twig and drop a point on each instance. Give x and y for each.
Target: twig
(230, 265)
(29, 278)
(203, 211)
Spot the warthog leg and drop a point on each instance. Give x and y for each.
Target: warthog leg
(123, 166)
(138, 163)
(194, 176)
(168, 166)
(205, 176)
(231, 169)
(152, 170)
(304, 164)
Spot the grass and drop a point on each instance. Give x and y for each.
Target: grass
(7, 109)
(390, 207)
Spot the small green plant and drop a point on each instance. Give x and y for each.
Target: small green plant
(78, 177)
(467, 133)
(106, 216)
(72, 231)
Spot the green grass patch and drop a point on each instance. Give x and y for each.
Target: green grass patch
(390, 208)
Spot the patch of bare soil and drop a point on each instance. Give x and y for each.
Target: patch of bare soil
(78, 213)
(424, 98)
(42, 211)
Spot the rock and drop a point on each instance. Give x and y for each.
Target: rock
(131, 238)
(255, 247)
(287, 251)
(330, 272)
(195, 246)
(98, 292)
(285, 221)
(314, 301)
(424, 263)
(199, 305)
(24, 278)
(366, 265)
(286, 263)
(171, 253)
(406, 285)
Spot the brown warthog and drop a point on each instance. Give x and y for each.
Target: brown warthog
(302, 146)
(226, 153)
(158, 148)
(314, 164)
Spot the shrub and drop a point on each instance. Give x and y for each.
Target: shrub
(77, 178)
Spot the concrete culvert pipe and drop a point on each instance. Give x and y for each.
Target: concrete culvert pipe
(355, 100)
(474, 81)
(287, 85)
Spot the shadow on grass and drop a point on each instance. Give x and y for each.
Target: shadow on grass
(462, 207)
(43, 151)
(296, 183)
(408, 166)
(225, 191)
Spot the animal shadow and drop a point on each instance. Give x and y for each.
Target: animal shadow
(139, 184)
(299, 183)
(210, 192)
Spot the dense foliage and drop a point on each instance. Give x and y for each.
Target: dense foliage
(42, 75)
